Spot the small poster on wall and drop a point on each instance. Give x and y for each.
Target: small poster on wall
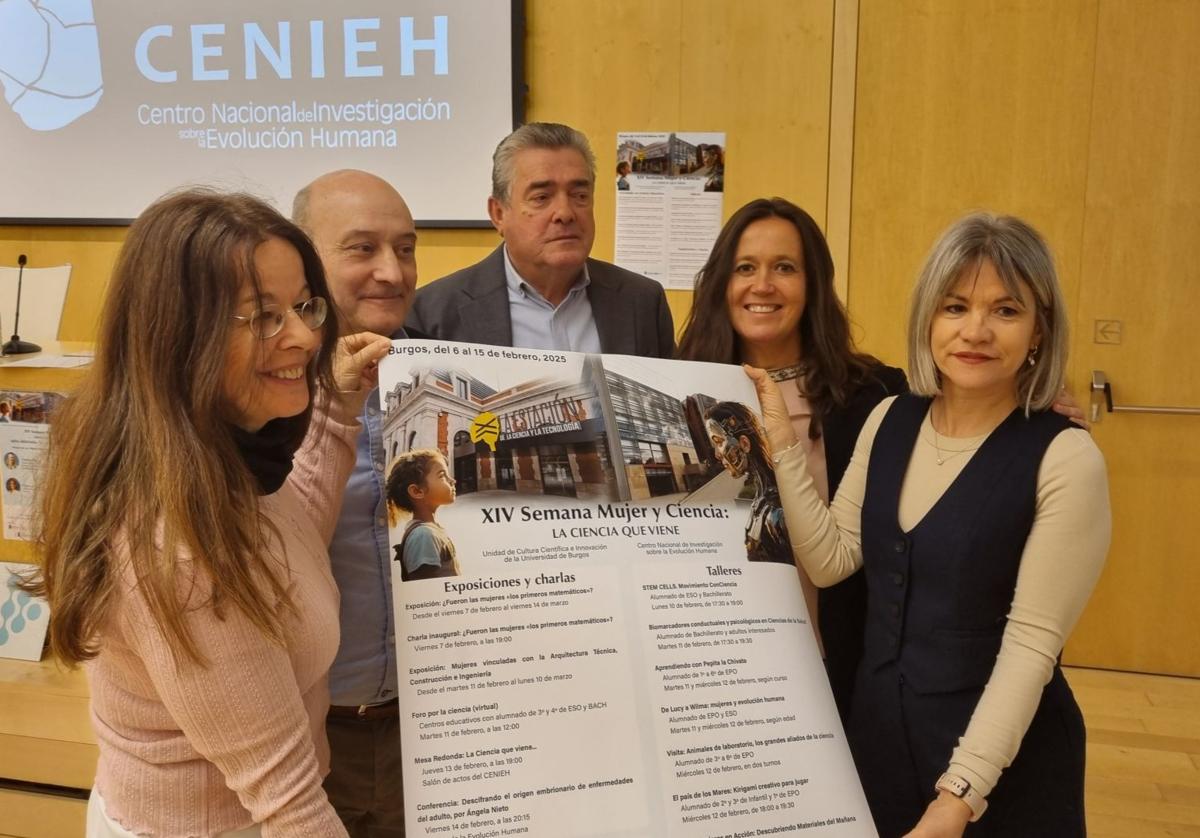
(23, 617)
(670, 189)
(24, 441)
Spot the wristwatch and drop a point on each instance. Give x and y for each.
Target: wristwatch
(963, 790)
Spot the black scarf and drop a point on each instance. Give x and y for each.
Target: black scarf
(268, 452)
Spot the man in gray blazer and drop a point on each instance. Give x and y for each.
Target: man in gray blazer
(540, 289)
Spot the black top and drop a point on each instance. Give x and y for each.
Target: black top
(842, 608)
(939, 594)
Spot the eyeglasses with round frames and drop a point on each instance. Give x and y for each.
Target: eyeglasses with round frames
(266, 323)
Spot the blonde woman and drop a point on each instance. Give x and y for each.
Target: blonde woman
(183, 563)
(981, 521)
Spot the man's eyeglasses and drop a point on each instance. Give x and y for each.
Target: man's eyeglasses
(268, 322)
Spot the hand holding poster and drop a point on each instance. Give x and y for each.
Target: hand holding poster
(599, 628)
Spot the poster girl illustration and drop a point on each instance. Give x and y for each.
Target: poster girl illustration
(739, 445)
(420, 483)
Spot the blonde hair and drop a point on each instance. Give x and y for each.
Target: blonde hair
(143, 463)
(1022, 260)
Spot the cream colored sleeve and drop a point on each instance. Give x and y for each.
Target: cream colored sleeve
(827, 541)
(1062, 560)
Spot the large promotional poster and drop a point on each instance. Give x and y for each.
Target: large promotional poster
(107, 105)
(599, 627)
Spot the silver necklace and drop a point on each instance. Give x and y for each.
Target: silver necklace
(943, 456)
(786, 373)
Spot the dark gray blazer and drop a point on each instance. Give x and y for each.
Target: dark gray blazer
(631, 313)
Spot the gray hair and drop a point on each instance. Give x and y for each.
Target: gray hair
(550, 135)
(1020, 255)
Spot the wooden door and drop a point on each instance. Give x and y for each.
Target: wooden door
(1082, 116)
(1141, 268)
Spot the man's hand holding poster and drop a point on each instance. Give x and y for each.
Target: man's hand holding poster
(599, 627)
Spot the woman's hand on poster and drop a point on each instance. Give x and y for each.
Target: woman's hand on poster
(356, 367)
(780, 434)
(945, 817)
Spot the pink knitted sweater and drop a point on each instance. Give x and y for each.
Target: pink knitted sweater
(187, 750)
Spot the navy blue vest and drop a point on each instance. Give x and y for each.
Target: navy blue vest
(939, 595)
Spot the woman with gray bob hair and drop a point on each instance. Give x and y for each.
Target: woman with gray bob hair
(980, 520)
(1020, 257)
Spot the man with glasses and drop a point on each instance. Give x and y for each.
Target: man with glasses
(365, 236)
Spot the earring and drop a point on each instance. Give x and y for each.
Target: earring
(1032, 356)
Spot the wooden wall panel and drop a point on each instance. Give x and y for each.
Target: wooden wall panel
(962, 106)
(605, 68)
(46, 734)
(27, 814)
(842, 86)
(760, 72)
(1139, 266)
(91, 251)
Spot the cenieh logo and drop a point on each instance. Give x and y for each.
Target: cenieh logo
(359, 41)
(49, 60)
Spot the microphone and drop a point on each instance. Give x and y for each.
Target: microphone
(16, 346)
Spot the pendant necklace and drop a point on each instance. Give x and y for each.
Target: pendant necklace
(943, 455)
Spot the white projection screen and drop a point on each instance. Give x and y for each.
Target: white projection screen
(111, 103)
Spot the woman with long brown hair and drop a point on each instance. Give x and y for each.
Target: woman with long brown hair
(181, 562)
(765, 297)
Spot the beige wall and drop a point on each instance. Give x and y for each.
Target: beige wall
(695, 66)
(961, 106)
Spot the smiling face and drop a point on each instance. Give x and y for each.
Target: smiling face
(365, 235)
(982, 334)
(766, 293)
(266, 379)
(547, 221)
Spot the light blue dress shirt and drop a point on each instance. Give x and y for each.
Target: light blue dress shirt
(364, 671)
(536, 324)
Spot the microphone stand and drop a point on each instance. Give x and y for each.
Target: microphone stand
(16, 346)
